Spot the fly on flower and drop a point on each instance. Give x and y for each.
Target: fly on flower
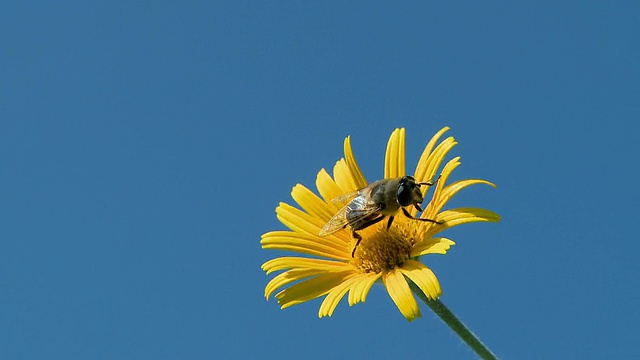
(388, 252)
(373, 203)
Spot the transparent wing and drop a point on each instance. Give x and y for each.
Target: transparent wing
(358, 211)
(346, 196)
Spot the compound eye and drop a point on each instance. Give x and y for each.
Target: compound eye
(405, 194)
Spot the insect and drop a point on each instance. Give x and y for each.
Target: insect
(373, 203)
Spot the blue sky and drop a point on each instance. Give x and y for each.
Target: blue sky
(144, 147)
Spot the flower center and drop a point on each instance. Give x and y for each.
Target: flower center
(385, 249)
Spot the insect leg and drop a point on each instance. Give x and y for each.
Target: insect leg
(358, 238)
(389, 222)
(431, 183)
(368, 223)
(360, 227)
(406, 213)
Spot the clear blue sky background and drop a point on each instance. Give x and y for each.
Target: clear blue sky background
(144, 147)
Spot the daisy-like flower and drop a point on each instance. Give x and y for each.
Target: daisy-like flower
(391, 255)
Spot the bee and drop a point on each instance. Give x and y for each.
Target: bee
(373, 203)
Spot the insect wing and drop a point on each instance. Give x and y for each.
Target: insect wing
(346, 196)
(353, 214)
(363, 212)
(338, 222)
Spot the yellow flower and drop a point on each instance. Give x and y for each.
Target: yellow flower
(390, 255)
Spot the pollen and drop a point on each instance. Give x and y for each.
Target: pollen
(385, 249)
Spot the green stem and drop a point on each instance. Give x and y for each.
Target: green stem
(455, 324)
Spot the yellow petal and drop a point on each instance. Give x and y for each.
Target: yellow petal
(334, 296)
(421, 169)
(354, 169)
(423, 277)
(311, 288)
(394, 162)
(431, 245)
(328, 189)
(343, 177)
(328, 246)
(429, 212)
(460, 216)
(297, 220)
(311, 203)
(464, 214)
(288, 277)
(289, 262)
(447, 170)
(361, 286)
(429, 168)
(401, 295)
(452, 189)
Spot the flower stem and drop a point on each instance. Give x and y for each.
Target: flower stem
(455, 324)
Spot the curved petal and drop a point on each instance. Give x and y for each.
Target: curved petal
(291, 262)
(288, 277)
(430, 245)
(421, 169)
(452, 189)
(328, 246)
(311, 203)
(343, 177)
(297, 220)
(361, 286)
(401, 294)
(311, 288)
(431, 166)
(455, 217)
(429, 212)
(354, 169)
(328, 189)
(394, 161)
(423, 277)
(333, 298)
